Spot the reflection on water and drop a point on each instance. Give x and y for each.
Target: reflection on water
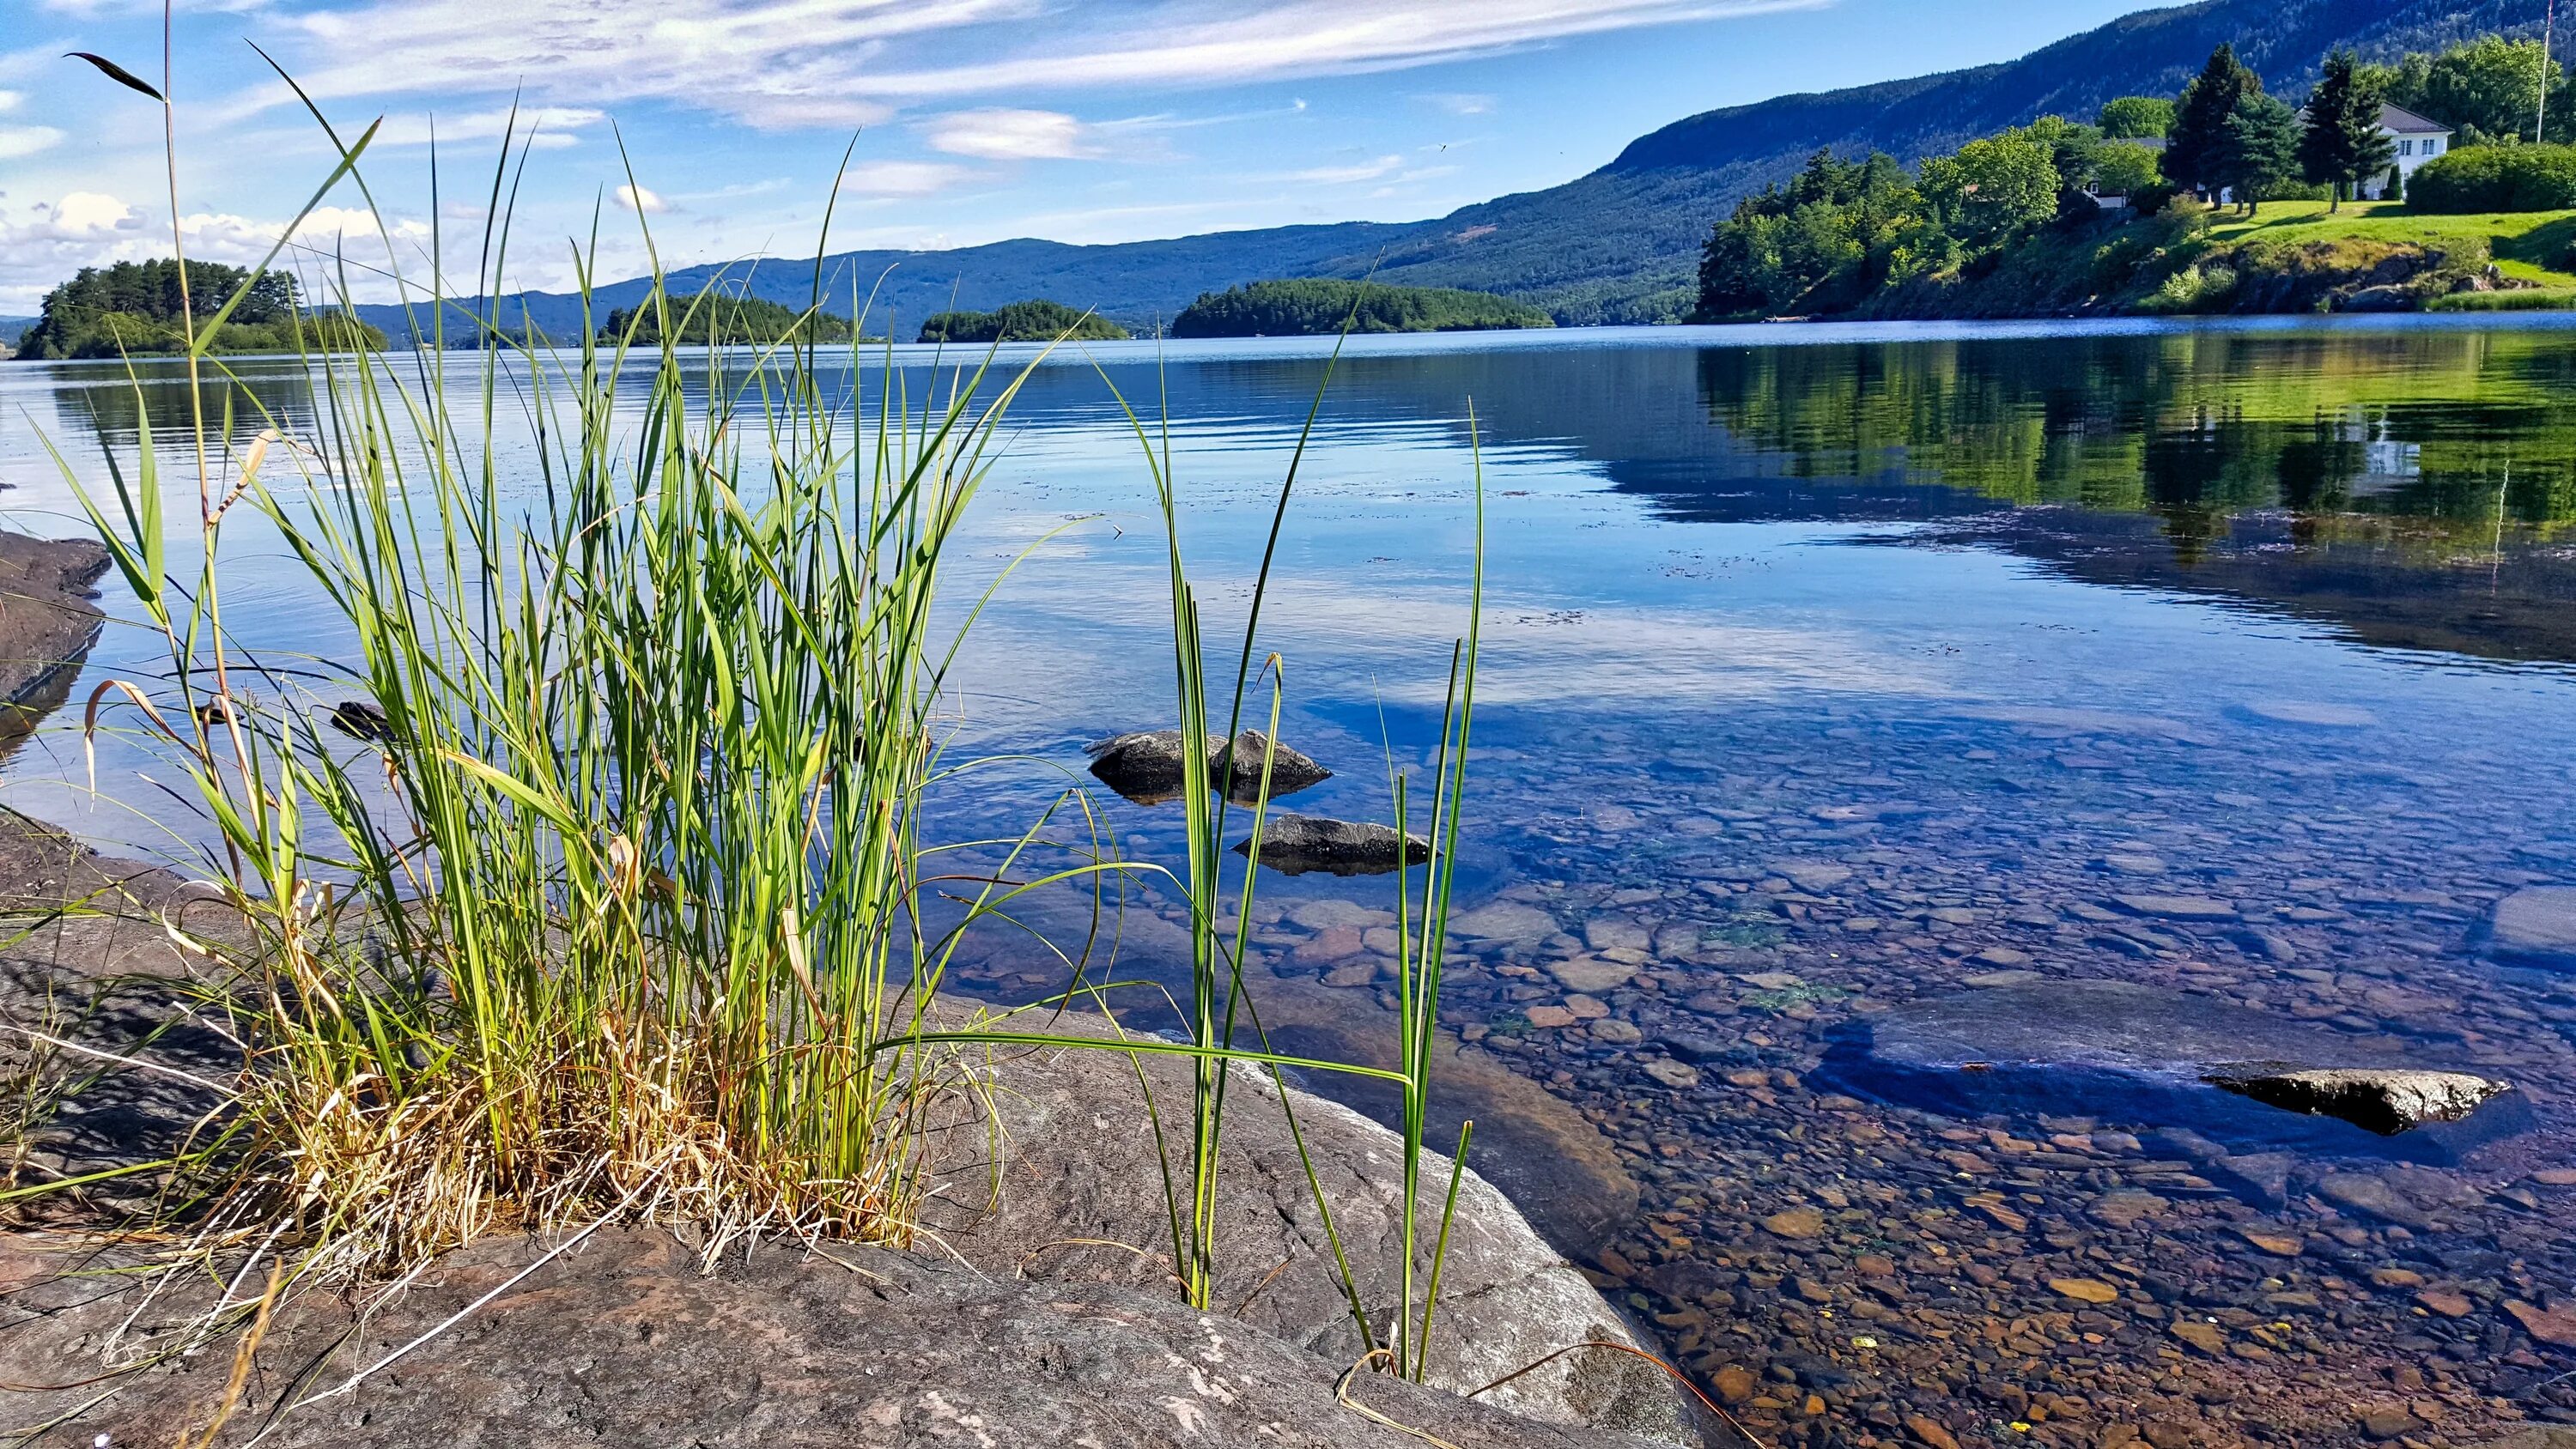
(1828, 672)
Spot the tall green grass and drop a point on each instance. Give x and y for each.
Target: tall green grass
(596, 886)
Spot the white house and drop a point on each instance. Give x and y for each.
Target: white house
(2415, 139)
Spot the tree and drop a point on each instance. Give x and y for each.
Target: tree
(1993, 187)
(2136, 118)
(2343, 145)
(2121, 168)
(2258, 149)
(2200, 119)
(2487, 90)
(1035, 320)
(134, 308)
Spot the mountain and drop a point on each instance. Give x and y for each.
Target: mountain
(1621, 244)
(13, 328)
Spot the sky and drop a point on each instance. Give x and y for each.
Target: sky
(964, 121)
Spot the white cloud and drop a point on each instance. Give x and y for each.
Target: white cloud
(90, 213)
(17, 141)
(639, 198)
(1458, 103)
(905, 178)
(11, 100)
(1346, 175)
(837, 63)
(545, 127)
(1000, 134)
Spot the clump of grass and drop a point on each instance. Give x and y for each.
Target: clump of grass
(595, 886)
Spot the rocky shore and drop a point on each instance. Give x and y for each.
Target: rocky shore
(1015, 1320)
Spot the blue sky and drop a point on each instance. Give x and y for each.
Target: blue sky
(1078, 120)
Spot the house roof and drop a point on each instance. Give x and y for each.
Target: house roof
(2400, 121)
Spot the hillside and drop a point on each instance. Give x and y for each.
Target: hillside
(1620, 244)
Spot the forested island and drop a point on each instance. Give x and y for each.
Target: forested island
(134, 309)
(719, 319)
(1035, 320)
(1321, 306)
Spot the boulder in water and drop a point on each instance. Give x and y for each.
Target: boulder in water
(2138, 1054)
(1147, 766)
(2536, 924)
(2386, 1100)
(1296, 844)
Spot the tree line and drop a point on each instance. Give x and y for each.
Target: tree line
(138, 309)
(1842, 230)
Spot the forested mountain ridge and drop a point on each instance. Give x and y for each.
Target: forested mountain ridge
(1620, 244)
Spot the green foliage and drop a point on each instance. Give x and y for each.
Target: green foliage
(2121, 169)
(1993, 187)
(2496, 178)
(134, 308)
(1318, 306)
(1813, 245)
(2257, 155)
(1036, 320)
(721, 318)
(2193, 149)
(2487, 89)
(2136, 118)
(2343, 145)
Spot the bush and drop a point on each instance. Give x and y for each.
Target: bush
(2193, 289)
(2496, 178)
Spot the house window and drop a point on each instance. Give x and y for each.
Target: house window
(2433, 145)
(2405, 148)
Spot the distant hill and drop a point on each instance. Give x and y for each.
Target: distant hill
(11, 328)
(1621, 244)
(1324, 306)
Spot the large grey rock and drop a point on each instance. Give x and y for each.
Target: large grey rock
(2385, 1100)
(47, 622)
(2536, 924)
(1148, 766)
(2139, 1054)
(624, 1341)
(1079, 1171)
(1298, 844)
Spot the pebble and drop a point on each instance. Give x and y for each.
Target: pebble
(1678, 1075)
(2086, 1290)
(2176, 908)
(1796, 1223)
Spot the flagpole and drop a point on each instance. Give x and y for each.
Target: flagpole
(2540, 111)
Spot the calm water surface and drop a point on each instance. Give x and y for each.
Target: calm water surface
(1826, 670)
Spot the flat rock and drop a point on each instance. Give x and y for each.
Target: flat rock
(2137, 1054)
(625, 1341)
(1147, 767)
(2176, 908)
(2316, 714)
(1297, 844)
(1591, 974)
(2382, 1100)
(2536, 924)
(2372, 1196)
(1503, 921)
(47, 622)
(1814, 875)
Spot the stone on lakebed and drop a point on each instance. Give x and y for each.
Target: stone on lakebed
(1147, 766)
(1297, 844)
(2536, 924)
(2142, 1054)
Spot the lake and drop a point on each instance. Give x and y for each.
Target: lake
(1828, 671)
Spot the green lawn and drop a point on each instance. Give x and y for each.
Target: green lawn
(2535, 246)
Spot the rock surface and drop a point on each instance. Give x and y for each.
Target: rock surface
(2138, 1053)
(2536, 924)
(1298, 844)
(1080, 1165)
(1147, 766)
(47, 621)
(623, 1341)
(2386, 1101)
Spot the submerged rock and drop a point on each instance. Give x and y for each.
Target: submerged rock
(2536, 924)
(1296, 844)
(1147, 766)
(362, 719)
(2386, 1101)
(2139, 1054)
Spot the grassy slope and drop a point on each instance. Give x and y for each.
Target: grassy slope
(2533, 246)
